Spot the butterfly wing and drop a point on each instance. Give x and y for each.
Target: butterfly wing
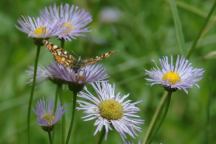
(96, 59)
(60, 55)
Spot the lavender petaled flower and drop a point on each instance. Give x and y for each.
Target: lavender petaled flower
(72, 20)
(178, 75)
(86, 74)
(36, 27)
(60, 74)
(46, 117)
(110, 110)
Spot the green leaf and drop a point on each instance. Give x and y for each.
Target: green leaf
(178, 26)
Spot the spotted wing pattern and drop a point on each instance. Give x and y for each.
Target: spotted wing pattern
(60, 55)
(68, 60)
(90, 61)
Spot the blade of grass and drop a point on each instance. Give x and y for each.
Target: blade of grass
(191, 9)
(178, 26)
(201, 30)
(196, 11)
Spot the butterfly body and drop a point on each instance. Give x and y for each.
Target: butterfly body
(63, 57)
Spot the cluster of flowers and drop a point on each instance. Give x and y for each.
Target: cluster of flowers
(109, 109)
(65, 22)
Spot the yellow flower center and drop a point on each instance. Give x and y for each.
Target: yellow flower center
(68, 27)
(111, 109)
(171, 77)
(40, 31)
(49, 118)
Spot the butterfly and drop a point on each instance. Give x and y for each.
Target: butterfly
(65, 58)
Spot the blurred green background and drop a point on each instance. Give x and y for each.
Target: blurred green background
(139, 31)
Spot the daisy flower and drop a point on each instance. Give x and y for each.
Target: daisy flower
(180, 75)
(72, 20)
(36, 27)
(65, 75)
(110, 110)
(46, 117)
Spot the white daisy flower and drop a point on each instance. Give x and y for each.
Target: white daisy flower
(110, 110)
(180, 75)
(36, 27)
(72, 20)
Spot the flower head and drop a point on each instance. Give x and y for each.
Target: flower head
(110, 110)
(65, 75)
(86, 74)
(72, 20)
(46, 117)
(180, 75)
(36, 27)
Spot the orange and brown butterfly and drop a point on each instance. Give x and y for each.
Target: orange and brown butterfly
(65, 58)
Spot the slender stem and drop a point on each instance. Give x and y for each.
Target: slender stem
(62, 123)
(62, 43)
(162, 117)
(57, 94)
(101, 136)
(155, 117)
(32, 92)
(72, 118)
(50, 137)
(201, 30)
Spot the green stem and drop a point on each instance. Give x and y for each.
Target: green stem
(101, 136)
(32, 92)
(50, 137)
(57, 94)
(72, 117)
(162, 117)
(62, 43)
(201, 30)
(156, 116)
(62, 123)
